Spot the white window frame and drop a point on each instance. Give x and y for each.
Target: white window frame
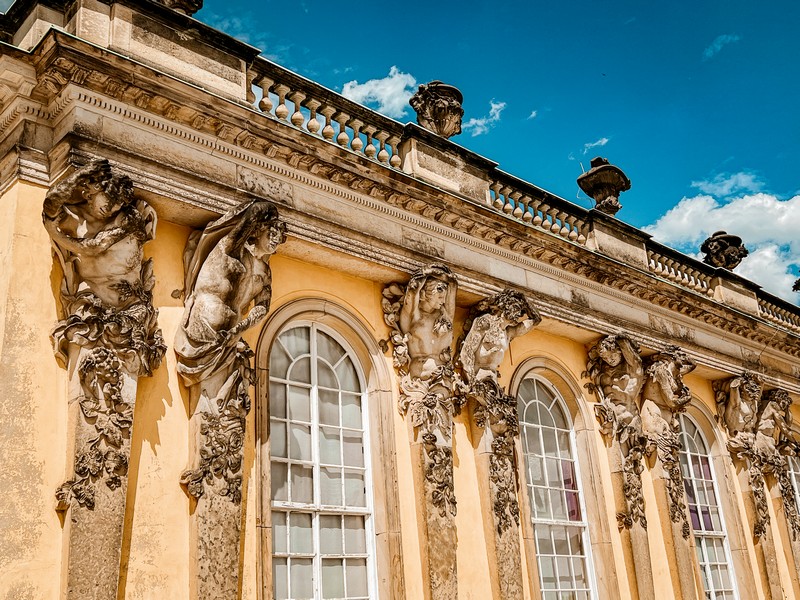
(584, 523)
(316, 508)
(699, 535)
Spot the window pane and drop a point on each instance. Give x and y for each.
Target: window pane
(300, 371)
(302, 484)
(277, 400)
(302, 579)
(354, 489)
(328, 348)
(356, 577)
(277, 439)
(299, 403)
(325, 376)
(300, 442)
(300, 540)
(328, 407)
(280, 481)
(280, 578)
(330, 446)
(331, 486)
(296, 341)
(351, 411)
(330, 534)
(279, 361)
(353, 449)
(332, 578)
(348, 376)
(355, 541)
(279, 532)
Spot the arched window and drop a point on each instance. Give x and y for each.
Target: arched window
(322, 542)
(706, 517)
(552, 480)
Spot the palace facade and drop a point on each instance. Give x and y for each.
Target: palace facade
(258, 341)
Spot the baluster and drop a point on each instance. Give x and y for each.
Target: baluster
(526, 204)
(659, 266)
(517, 210)
(554, 226)
(327, 131)
(251, 77)
(357, 144)
(581, 239)
(513, 205)
(394, 142)
(297, 118)
(342, 138)
(383, 155)
(282, 111)
(265, 104)
(369, 149)
(501, 198)
(313, 124)
(573, 235)
(539, 219)
(494, 198)
(564, 231)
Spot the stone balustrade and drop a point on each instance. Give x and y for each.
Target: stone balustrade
(779, 312)
(538, 208)
(318, 111)
(679, 269)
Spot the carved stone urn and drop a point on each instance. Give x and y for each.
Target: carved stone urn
(604, 182)
(796, 286)
(438, 108)
(724, 250)
(188, 7)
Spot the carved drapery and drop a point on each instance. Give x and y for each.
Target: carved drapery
(664, 397)
(107, 337)
(227, 271)
(420, 315)
(490, 327)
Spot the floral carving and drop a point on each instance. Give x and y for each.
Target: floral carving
(664, 396)
(439, 474)
(616, 376)
(98, 229)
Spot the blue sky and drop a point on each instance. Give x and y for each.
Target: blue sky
(695, 101)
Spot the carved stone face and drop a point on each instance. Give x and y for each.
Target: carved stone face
(100, 206)
(267, 243)
(514, 311)
(610, 353)
(432, 296)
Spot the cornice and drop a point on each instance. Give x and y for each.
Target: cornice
(278, 147)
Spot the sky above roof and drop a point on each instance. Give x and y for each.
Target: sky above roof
(696, 102)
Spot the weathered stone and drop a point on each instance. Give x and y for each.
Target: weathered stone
(438, 108)
(107, 338)
(604, 182)
(227, 270)
(723, 250)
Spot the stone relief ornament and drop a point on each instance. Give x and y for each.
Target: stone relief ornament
(438, 108)
(723, 250)
(604, 182)
(759, 432)
(420, 315)
(228, 290)
(107, 337)
(490, 327)
(796, 286)
(616, 375)
(665, 396)
(98, 229)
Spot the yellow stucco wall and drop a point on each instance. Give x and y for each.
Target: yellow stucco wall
(156, 549)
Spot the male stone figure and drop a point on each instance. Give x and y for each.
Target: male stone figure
(106, 339)
(617, 375)
(421, 317)
(491, 326)
(663, 397)
(227, 271)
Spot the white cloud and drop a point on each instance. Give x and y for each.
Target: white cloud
(767, 224)
(533, 115)
(391, 93)
(484, 124)
(725, 184)
(719, 42)
(601, 142)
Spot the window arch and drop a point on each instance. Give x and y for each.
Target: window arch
(558, 514)
(706, 517)
(331, 355)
